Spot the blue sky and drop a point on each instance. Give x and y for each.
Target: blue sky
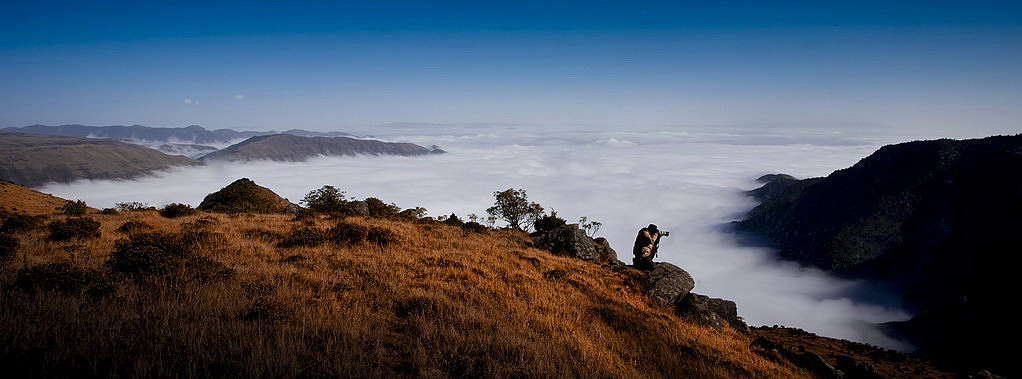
(925, 67)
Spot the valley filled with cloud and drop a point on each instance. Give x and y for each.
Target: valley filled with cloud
(690, 182)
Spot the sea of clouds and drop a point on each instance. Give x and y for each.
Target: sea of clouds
(690, 182)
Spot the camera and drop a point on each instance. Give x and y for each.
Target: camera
(665, 234)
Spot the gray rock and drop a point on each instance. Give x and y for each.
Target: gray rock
(567, 240)
(800, 357)
(711, 312)
(292, 208)
(605, 252)
(854, 368)
(669, 283)
(357, 208)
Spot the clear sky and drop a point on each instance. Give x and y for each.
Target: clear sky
(933, 67)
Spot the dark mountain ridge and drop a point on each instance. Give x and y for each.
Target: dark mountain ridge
(285, 147)
(194, 134)
(937, 219)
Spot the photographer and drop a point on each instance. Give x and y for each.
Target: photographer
(646, 244)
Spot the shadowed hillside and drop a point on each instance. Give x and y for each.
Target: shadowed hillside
(31, 160)
(286, 147)
(937, 219)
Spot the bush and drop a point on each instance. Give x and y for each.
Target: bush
(348, 234)
(379, 209)
(73, 228)
(306, 236)
(304, 214)
(474, 227)
(134, 227)
(175, 210)
(148, 254)
(64, 277)
(19, 222)
(8, 246)
(380, 236)
(548, 223)
(74, 208)
(108, 211)
(453, 220)
(328, 200)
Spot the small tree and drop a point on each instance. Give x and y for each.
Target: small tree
(591, 227)
(328, 199)
(513, 207)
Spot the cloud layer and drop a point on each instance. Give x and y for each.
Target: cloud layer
(687, 182)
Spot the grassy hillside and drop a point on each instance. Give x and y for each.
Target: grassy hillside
(18, 199)
(31, 159)
(435, 301)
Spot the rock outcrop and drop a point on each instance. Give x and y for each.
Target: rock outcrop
(605, 253)
(568, 240)
(669, 283)
(712, 312)
(244, 196)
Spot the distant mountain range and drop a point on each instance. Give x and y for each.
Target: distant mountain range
(285, 147)
(33, 159)
(940, 220)
(192, 134)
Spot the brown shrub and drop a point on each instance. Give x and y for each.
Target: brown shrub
(18, 222)
(134, 227)
(74, 228)
(380, 236)
(148, 254)
(64, 277)
(305, 236)
(345, 233)
(175, 210)
(8, 246)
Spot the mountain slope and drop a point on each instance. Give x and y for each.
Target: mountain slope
(19, 199)
(32, 160)
(193, 134)
(938, 219)
(219, 295)
(285, 147)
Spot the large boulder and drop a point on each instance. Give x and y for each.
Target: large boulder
(712, 312)
(605, 253)
(567, 240)
(244, 196)
(669, 283)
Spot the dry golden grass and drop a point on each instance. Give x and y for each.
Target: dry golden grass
(437, 302)
(18, 199)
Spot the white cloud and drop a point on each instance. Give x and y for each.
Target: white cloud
(188, 101)
(689, 183)
(239, 96)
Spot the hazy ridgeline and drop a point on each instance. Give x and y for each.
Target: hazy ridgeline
(689, 183)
